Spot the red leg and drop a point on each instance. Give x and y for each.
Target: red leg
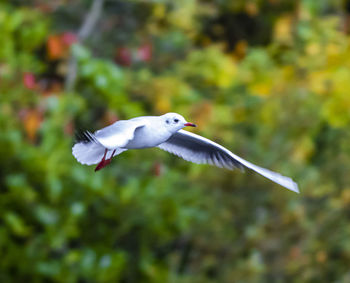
(112, 155)
(102, 162)
(109, 159)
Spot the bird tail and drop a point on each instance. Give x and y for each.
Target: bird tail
(88, 150)
(88, 153)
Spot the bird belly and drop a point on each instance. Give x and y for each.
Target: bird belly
(144, 138)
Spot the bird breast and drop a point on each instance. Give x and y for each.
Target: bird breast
(148, 136)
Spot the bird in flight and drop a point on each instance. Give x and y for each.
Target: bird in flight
(164, 132)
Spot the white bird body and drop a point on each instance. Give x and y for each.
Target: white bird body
(166, 133)
(136, 133)
(149, 135)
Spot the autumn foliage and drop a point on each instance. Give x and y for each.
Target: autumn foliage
(267, 79)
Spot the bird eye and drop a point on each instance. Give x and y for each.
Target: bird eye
(176, 120)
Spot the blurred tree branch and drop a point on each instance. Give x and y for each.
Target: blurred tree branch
(84, 32)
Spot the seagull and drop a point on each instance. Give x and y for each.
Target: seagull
(165, 132)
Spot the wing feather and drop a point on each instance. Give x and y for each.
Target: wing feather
(197, 149)
(118, 134)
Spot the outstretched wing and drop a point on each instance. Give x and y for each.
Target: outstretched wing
(197, 149)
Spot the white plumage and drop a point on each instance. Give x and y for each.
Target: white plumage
(166, 133)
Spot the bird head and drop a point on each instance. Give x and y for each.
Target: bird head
(175, 122)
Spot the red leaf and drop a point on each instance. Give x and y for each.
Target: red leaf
(68, 38)
(123, 56)
(29, 80)
(144, 52)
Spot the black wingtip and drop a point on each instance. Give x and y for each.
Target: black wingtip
(84, 137)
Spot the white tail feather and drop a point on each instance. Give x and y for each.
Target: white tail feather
(91, 152)
(88, 153)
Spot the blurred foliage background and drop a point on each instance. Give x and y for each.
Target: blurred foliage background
(269, 79)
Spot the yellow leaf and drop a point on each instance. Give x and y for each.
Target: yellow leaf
(320, 82)
(261, 88)
(252, 8)
(202, 113)
(159, 11)
(313, 49)
(345, 196)
(283, 29)
(304, 149)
